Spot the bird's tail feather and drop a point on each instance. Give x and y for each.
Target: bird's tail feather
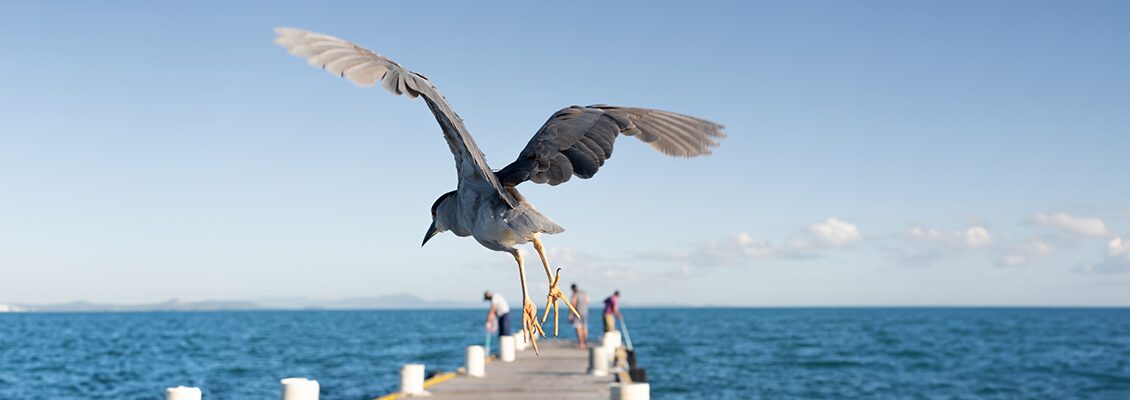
(526, 218)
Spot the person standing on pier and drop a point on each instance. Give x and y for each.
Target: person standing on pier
(581, 304)
(500, 309)
(611, 311)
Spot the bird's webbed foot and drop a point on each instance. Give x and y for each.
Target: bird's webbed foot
(555, 294)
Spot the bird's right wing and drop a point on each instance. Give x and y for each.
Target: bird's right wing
(577, 140)
(365, 68)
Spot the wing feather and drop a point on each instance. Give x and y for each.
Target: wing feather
(365, 68)
(578, 140)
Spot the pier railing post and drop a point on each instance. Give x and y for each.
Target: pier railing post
(610, 341)
(299, 389)
(476, 361)
(506, 348)
(598, 361)
(183, 393)
(630, 391)
(412, 379)
(520, 341)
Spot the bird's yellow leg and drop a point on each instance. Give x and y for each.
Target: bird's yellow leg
(530, 324)
(554, 291)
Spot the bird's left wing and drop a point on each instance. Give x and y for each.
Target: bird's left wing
(576, 141)
(365, 68)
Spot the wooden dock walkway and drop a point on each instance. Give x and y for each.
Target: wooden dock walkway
(558, 374)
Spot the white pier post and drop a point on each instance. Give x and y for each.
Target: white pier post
(412, 379)
(183, 393)
(610, 341)
(476, 361)
(630, 391)
(506, 348)
(598, 361)
(520, 343)
(299, 389)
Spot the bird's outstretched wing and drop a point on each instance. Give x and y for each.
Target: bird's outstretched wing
(365, 68)
(577, 140)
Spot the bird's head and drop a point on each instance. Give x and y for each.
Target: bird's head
(440, 211)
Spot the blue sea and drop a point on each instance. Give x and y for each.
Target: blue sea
(717, 353)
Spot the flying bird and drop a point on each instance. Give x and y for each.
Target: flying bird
(486, 205)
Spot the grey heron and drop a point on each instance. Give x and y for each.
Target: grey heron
(575, 141)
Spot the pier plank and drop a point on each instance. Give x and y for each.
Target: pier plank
(558, 374)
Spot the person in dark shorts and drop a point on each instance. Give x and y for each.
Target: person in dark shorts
(580, 302)
(500, 309)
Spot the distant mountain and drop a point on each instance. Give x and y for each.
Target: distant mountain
(401, 300)
(9, 308)
(390, 301)
(168, 305)
(387, 301)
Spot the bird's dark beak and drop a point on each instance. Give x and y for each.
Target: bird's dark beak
(431, 233)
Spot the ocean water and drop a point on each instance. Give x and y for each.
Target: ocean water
(723, 353)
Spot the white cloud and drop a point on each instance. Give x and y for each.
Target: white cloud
(973, 237)
(1116, 258)
(1119, 248)
(928, 245)
(1078, 225)
(977, 236)
(1013, 260)
(734, 250)
(1036, 246)
(579, 265)
(743, 248)
(920, 232)
(835, 232)
(575, 264)
(745, 239)
(750, 247)
(1023, 254)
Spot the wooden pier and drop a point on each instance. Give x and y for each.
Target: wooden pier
(561, 372)
(558, 374)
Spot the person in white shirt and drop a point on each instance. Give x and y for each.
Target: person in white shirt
(500, 309)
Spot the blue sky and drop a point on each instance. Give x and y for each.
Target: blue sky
(880, 153)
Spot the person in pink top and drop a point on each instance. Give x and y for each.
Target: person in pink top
(611, 311)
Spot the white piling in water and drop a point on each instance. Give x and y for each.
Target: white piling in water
(183, 393)
(630, 391)
(299, 389)
(506, 348)
(412, 379)
(520, 343)
(598, 361)
(476, 361)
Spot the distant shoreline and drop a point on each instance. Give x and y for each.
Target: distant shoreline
(110, 310)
